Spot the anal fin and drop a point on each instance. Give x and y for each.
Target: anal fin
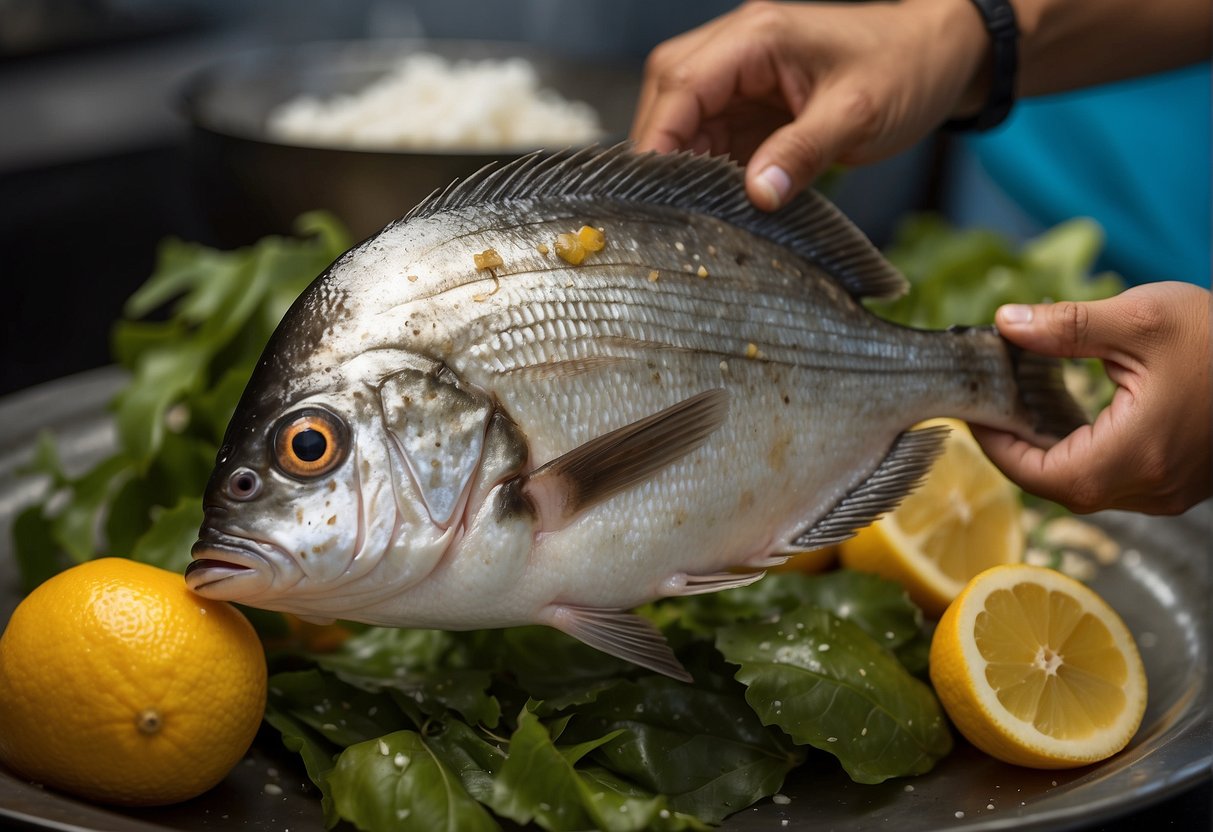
(684, 584)
(608, 464)
(903, 468)
(620, 634)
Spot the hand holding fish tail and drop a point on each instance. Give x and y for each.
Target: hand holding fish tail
(1150, 449)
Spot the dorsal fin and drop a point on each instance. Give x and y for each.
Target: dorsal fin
(809, 225)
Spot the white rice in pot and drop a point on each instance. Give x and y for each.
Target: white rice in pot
(429, 103)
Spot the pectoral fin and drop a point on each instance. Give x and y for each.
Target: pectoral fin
(620, 634)
(608, 464)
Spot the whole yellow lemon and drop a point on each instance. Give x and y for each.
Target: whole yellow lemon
(120, 685)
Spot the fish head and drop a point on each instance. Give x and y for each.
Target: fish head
(327, 499)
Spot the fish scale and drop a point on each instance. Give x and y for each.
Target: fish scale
(542, 442)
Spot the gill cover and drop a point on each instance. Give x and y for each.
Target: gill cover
(439, 425)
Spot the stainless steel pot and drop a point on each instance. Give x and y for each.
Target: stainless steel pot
(250, 184)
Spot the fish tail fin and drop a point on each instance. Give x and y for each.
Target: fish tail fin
(1040, 381)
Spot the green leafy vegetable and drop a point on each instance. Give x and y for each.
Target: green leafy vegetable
(961, 277)
(831, 685)
(318, 756)
(541, 783)
(706, 750)
(418, 729)
(187, 373)
(397, 782)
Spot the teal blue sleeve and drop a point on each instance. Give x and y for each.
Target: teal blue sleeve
(1134, 156)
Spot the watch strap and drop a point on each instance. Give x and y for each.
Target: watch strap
(1000, 22)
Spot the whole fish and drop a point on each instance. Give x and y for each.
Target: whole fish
(483, 418)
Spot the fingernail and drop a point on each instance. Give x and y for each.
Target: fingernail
(774, 184)
(1015, 313)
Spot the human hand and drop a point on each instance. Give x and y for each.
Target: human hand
(793, 88)
(1150, 449)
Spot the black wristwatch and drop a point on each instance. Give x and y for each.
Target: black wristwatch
(999, 17)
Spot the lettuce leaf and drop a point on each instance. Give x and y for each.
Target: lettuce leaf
(397, 782)
(834, 687)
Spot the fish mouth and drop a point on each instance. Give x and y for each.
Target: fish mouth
(226, 568)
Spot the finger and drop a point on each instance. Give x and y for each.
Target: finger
(1095, 329)
(673, 122)
(793, 156)
(687, 79)
(743, 128)
(1067, 473)
(659, 63)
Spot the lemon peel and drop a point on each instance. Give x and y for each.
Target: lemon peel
(121, 686)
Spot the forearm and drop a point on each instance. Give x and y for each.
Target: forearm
(1066, 44)
(1069, 44)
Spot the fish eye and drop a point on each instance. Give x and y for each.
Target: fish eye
(310, 443)
(243, 484)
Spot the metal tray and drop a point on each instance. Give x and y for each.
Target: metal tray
(1160, 585)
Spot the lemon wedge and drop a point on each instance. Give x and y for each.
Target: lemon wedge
(1035, 669)
(964, 518)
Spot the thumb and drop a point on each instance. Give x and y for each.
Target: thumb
(797, 153)
(1064, 330)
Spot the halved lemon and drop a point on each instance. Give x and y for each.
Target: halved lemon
(1035, 669)
(964, 518)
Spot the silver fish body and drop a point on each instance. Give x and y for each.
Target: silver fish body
(433, 440)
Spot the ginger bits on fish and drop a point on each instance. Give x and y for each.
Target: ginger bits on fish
(573, 248)
(487, 259)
